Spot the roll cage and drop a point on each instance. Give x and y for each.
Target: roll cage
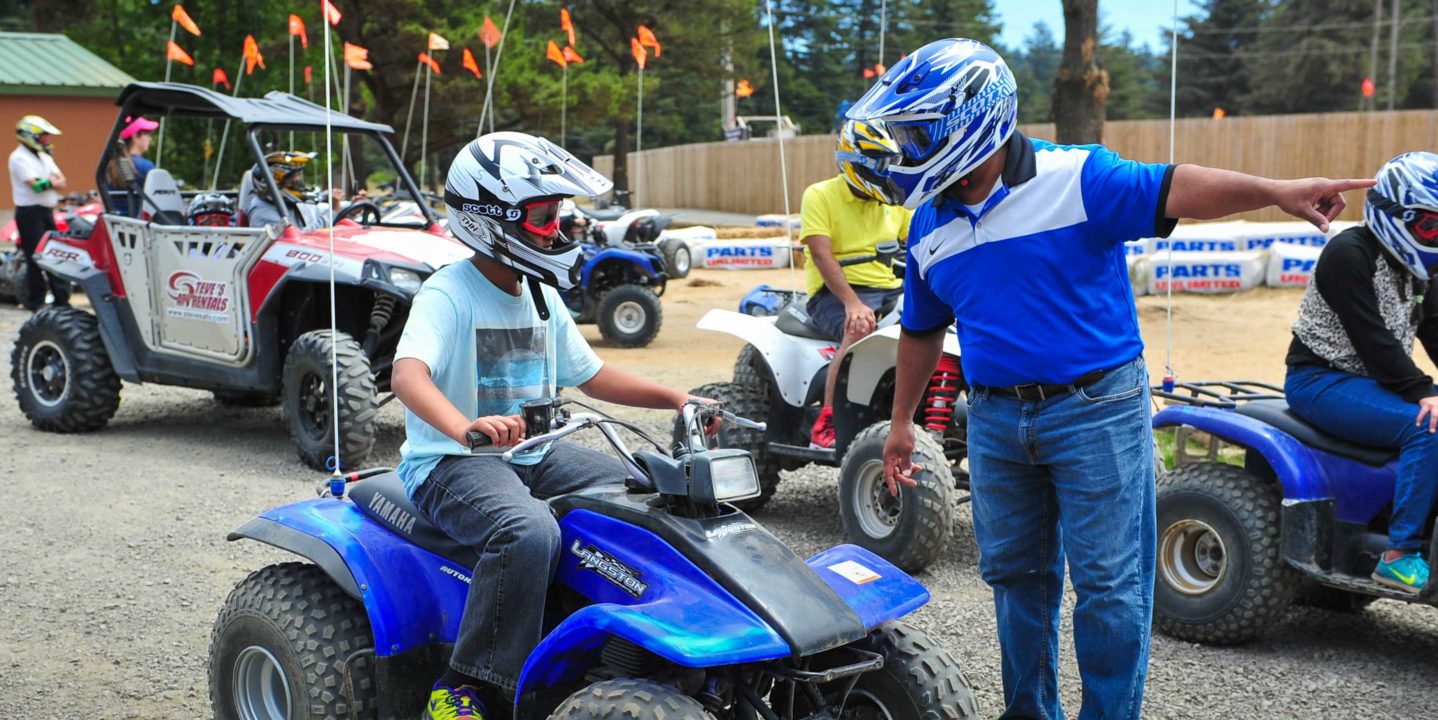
(275, 111)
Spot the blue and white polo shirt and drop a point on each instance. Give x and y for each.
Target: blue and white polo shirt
(1036, 281)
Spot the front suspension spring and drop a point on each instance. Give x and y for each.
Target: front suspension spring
(943, 394)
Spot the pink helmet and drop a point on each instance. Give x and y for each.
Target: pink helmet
(136, 125)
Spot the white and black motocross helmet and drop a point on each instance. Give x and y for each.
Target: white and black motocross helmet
(505, 183)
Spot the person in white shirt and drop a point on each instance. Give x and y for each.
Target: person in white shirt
(35, 182)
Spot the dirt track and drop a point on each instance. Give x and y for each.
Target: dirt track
(113, 562)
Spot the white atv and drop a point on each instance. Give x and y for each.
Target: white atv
(779, 377)
(643, 230)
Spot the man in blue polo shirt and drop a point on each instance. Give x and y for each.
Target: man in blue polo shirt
(1019, 243)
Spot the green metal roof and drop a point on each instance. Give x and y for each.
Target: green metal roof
(44, 64)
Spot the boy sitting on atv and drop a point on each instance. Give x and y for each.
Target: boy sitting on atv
(844, 217)
(482, 337)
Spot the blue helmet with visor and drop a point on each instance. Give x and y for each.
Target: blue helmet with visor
(1402, 210)
(950, 105)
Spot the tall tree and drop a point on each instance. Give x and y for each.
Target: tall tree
(1082, 84)
(1311, 57)
(1035, 66)
(1211, 65)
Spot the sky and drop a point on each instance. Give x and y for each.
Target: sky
(1144, 18)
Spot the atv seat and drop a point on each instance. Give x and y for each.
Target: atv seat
(1277, 414)
(382, 498)
(605, 214)
(794, 320)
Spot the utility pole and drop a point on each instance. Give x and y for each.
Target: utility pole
(1372, 102)
(1393, 56)
(1434, 76)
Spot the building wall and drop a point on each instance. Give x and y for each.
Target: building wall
(86, 122)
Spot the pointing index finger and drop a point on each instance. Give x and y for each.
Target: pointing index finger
(1351, 184)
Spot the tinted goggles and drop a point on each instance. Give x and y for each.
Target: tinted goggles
(541, 217)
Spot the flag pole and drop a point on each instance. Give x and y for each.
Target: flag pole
(564, 109)
(638, 144)
(160, 144)
(424, 131)
(292, 81)
(345, 169)
(488, 88)
(225, 134)
(409, 116)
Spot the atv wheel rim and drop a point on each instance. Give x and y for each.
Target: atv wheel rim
(262, 692)
(682, 260)
(876, 510)
(49, 373)
(1191, 557)
(862, 705)
(629, 317)
(314, 405)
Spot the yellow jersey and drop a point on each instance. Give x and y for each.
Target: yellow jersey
(854, 226)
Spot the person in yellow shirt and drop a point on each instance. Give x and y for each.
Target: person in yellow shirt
(842, 218)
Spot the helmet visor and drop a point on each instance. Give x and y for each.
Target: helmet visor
(1424, 227)
(916, 138)
(541, 217)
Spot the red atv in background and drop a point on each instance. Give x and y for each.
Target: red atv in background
(241, 311)
(76, 213)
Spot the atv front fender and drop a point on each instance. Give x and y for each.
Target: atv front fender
(642, 263)
(794, 363)
(1300, 473)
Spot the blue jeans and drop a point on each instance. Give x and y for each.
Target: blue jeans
(1358, 409)
(1070, 477)
(499, 510)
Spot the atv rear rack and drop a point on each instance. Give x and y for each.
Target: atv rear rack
(1223, 394)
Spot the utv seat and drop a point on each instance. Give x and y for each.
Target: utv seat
(1277, 414)
(162, 198)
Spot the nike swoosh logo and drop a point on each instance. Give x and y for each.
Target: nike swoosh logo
(933, 248)
(1406, 579)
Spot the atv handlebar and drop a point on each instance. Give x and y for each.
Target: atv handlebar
(476, 440)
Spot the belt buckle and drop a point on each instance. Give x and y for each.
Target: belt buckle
(1019, 390)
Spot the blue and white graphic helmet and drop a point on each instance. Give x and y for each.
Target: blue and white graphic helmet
(1402, 210)
(950, 105)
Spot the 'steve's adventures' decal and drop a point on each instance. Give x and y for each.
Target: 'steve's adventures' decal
(609, 568)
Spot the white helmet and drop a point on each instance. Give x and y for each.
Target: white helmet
(506, 183)
(1402, 210)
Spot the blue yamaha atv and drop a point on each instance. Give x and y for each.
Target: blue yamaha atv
(619, 289)
(1304, 518)
(668, 603)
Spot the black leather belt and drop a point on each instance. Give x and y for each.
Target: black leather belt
(1034, 392)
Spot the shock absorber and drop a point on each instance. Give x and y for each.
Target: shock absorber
(379, 317)
(943, 394)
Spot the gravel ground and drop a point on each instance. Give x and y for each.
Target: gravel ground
(113, 565)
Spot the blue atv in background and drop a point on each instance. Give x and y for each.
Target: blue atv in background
(667, 603)
(619, 289)
(1304, 519)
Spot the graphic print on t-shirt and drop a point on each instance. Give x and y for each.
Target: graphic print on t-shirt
(510, 367)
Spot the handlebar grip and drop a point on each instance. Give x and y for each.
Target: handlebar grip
(477, 439)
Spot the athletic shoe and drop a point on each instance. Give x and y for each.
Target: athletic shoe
(822, 436)
(1408, 573)
(446, 703)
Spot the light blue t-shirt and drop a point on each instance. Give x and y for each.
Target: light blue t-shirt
(487, 351)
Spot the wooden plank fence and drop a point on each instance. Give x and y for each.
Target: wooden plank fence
(744, 176)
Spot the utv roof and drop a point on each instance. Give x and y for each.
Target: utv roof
(276, 109)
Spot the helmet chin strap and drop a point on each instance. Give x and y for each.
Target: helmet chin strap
(538, 293)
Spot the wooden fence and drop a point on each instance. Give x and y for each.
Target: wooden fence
(744, 176)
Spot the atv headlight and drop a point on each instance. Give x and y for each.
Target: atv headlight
(406, 280)
(723, 476)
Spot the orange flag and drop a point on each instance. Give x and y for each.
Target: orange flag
(297, 27)
(433, 65)
(219, 76)
(554, 54)
(566, 24)
(647, 39)
(177, 53)
(470, 64)
(309, 74)
(183, 18)
(879, 69)
(252, 55)
(868, 73)
(489, 33)
(638, 51)
(332, 13)
(744, 89)
(357, 57)
(572, 56)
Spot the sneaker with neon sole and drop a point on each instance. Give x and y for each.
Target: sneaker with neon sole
(461, 703)
(1408, 573)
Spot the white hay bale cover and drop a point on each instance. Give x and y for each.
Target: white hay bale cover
(1202, 237)
(777, 220)
(1205, 272)
(693, 237)
(1291, 265)
(1139, 266)
(744, 254)
(1263, 236)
